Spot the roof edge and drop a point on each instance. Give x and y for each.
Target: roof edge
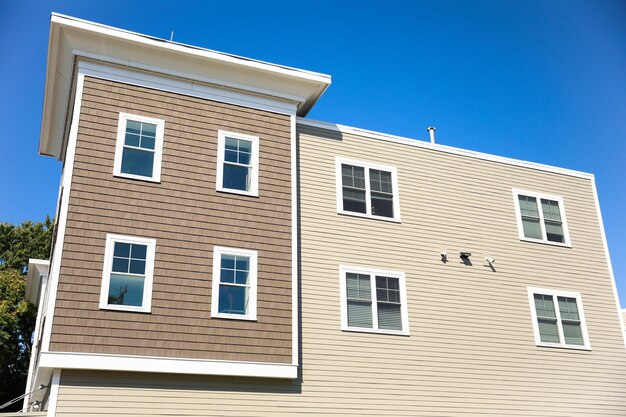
(441, 148)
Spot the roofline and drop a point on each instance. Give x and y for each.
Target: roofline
(441, 148)
(188, 49)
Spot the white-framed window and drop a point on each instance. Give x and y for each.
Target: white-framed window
(127, 273)
(139, 147)
(237, 163)
(234, 292)
(558, 318)
(373, 301)
(367, 190)
(541, 218)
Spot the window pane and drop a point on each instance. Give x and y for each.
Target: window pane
(137, 162)
(544, 305)
(572, 333)
(137, 267)
(131, 139)
(548, 331)
(554, 232)
(125, 290)
(382, 204)
(230, 156)
(133, 127)
(147, 142)
(236, 177)
(139, 251)
(148, 129)
(528, 206)
(568, 308)
(241, 277)
(227, 275)
(245, 146)
(233, 300)
(231, 144)
(120, 265)
(244, 158)
(354, 200)
(531, 228)
(121, 250)
(242, 263)
(353, 176)
(228, 261)
(389, 316)
(359, 314)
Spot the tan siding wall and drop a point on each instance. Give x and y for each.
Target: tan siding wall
(471, 351)
(187, 217)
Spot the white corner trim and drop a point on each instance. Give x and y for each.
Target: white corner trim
(608, 259)
(368, 200)
(218, 252)
(54, 393)
(120, 145)
(539, 196)
(254, 163)
(294, 244)
(146, 305)
(343, 269)
(441, 148)
(581, 313)
(55, 261)
(70, 360)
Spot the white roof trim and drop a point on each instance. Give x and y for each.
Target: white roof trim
(441, 148)
(186, 49)
(71, 37)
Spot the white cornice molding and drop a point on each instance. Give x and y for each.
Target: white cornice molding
(92, 361)
(71, 38)
(441, 148)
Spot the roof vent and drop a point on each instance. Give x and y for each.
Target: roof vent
(431, 130)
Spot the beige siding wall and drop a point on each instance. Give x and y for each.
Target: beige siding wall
(187, 217)
(471, 349)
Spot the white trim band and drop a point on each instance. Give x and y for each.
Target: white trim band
(71, 360)
(442, 148)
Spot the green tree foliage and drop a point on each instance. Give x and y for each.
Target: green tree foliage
(18, 243)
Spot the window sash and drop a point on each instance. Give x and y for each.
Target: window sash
(364, 310)
(568, 319)
(549, 218)
(370, 194)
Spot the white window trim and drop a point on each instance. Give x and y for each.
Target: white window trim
(343, 270)
(111, 239)
(539, 196)
(581, 313)
(158, 147)
(368, 201)
(218, 251)
(254, 161)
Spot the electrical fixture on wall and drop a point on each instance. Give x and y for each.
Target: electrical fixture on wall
(444, 256)
(465, 254)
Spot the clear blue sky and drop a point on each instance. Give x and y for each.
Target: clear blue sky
(542, 81)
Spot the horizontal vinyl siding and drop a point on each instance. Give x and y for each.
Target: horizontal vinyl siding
(187, 217)
(471, 349)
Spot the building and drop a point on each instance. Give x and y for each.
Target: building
(217, 253)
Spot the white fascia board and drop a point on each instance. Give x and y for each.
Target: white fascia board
(36, 269)
(69, 35)
(441, 148)
(147, 40)
(122, 363)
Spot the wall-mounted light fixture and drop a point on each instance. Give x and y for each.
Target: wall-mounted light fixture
(465, 254)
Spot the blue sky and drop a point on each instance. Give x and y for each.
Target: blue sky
(542, 81)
